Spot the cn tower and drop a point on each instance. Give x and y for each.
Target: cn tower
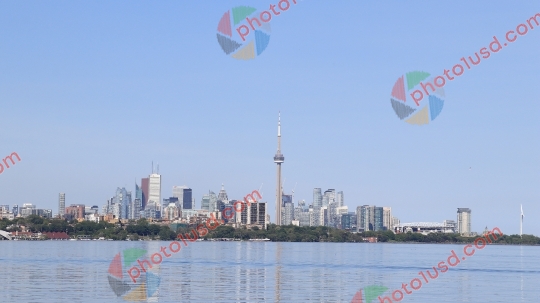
(278, 159)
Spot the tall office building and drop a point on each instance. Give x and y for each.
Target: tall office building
(205, 202)
(154, 191)
(188, 201)
(464, 221)
(138, 192)
(145, 185)
(340, 199)
(184, 195)
(278, 159)
(178, 192)
(329, 197)
(317, 198)
(135, 209)
(61, 205)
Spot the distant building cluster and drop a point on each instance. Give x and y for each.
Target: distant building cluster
(329, 209)
(180, 207)
(26, 210)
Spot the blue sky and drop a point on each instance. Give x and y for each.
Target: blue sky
(92, 92)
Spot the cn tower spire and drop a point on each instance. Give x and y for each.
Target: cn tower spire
(278, 159)
(279, 133)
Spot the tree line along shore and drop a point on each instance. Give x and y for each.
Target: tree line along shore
(144, 230)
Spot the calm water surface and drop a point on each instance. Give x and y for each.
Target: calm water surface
(77, 271)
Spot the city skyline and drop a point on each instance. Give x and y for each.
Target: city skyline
(118, 93)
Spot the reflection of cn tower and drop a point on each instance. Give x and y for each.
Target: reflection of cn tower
(278, 272)
(278, 159)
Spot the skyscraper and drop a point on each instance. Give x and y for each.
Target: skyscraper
(317, 198)
(378, 219)
(144, 187)
(464, 221)
(340, 199)
(278, 159)
(137, 204)
(121, 204)
(213, 206)
(184, 195)
(205, 202)
(329, 197)
(61, 205)
(188, 202)
(287, 211)
(154, 191)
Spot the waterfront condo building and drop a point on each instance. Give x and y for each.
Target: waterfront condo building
(464, 221)
(61, 205)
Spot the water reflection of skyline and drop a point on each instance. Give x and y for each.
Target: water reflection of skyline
(265, 272)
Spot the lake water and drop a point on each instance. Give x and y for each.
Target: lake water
(77, 271)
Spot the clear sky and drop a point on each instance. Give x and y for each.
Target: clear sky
(92, 92)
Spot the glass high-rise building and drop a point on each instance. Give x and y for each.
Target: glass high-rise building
(340, 199)
(187, 200)
(145, 185)
(121, 204)
(370, 217)
(184, 195)
(205, 202)
(139, 194)
(378, 218)
(317, 198)
(329, 197)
